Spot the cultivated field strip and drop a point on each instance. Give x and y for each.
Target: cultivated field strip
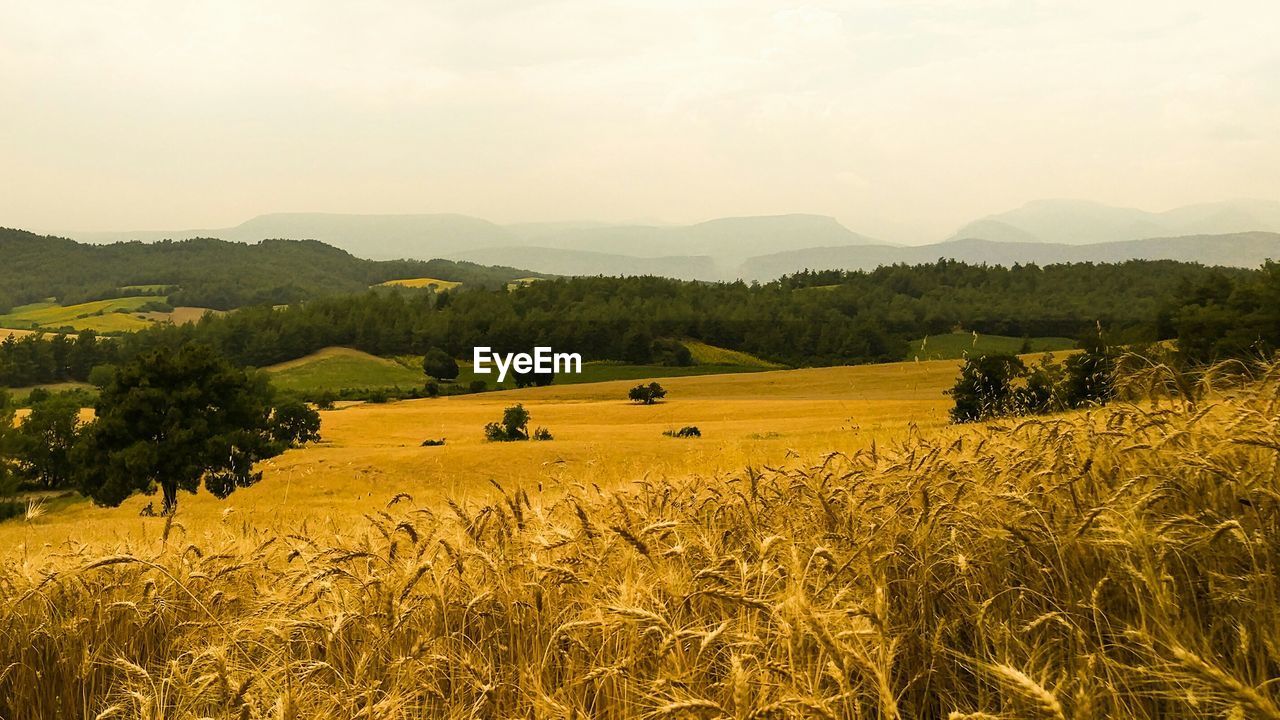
(1121, 563)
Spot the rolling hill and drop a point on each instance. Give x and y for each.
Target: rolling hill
(211, 273)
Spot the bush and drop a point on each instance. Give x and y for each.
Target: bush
(376, 396)
(994, 386)
(688, 431)
(478, 386)
(542, 434)
(325, 400)
(155, 306)
(647, 394)
(432, 443)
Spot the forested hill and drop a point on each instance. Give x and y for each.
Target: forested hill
(207, 272)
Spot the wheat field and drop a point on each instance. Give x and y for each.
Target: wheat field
(371, 452)
(1115, 563)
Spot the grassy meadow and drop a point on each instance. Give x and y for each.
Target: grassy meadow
(337, 368)
(865, 562)
(956, 345)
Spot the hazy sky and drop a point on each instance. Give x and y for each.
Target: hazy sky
(902, 118)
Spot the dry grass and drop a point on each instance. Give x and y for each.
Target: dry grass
(1112, 564)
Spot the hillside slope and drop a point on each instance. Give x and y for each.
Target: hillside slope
(208, 273)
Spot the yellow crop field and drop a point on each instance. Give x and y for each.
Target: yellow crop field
(423, 282)
(1052, 567)
(372, 451)
(99, 315)
(6, 333)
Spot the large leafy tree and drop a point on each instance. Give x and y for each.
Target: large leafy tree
(176, 419)
(43, 442)
(440, 365)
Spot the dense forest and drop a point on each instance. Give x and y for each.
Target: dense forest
(208, 273)
(812, 318)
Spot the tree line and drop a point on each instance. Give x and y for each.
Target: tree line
(807, 319)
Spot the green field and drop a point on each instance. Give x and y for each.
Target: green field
(339, 368)
(954, 346)
(704, 354)
(101, 315)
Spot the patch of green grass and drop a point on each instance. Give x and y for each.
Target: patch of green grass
(19, 395)
(704, 354)
(339, 368)
(953, 346)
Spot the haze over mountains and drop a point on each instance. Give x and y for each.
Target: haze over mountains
(1240, 233)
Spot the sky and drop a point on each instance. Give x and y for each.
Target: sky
(904, 119)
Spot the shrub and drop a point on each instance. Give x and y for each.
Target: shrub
(647, 394)
(542, 434)
(688, 431)
(478, 386)
(432, 443)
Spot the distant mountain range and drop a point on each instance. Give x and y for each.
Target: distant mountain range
(1239, 233)
(1080, 222)
(1248, 249)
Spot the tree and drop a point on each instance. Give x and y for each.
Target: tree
(44, 441)
(532, 379)
(295, 424)
(670, 352)
(9, 476)
(984, 388)
(514, 426)
(647, 394)
(1090, 375)
(174, 419)
(439, 365)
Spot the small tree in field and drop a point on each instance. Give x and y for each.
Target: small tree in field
(647, 394)
(439, 365)
(985, 387)
(177, 419)
(514, 426)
